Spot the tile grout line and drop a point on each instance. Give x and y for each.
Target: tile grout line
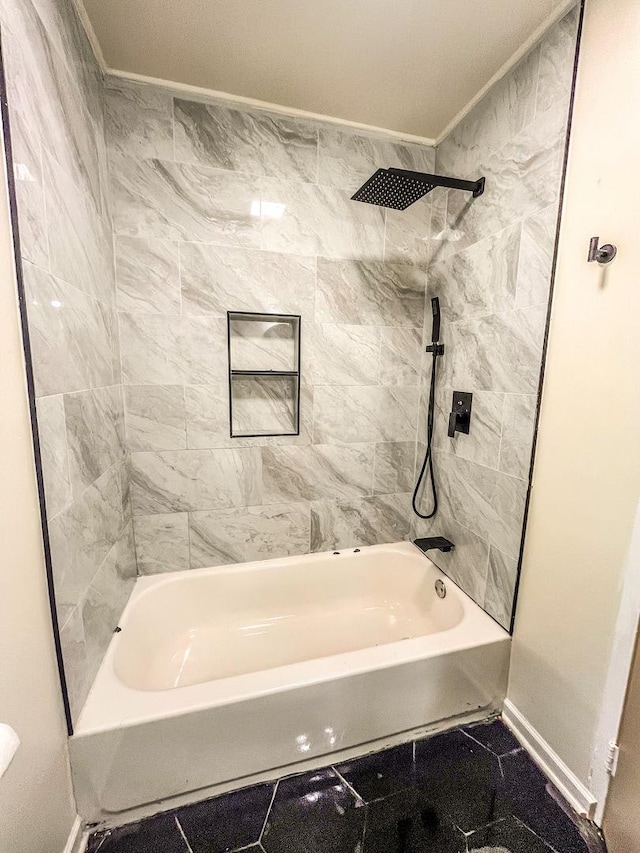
(348, 784)
(181, 831)
(266, 817)
(44, 205)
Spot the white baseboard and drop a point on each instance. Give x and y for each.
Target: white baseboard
(549, 762)
(77, 840)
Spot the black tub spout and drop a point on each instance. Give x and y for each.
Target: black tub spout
(433, 542)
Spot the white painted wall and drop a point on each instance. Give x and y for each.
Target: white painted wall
(37, 810)
(586, 482)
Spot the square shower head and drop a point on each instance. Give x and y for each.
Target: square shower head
(390, 188)
(399, 188)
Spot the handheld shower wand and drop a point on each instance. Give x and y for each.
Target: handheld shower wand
(435, 349)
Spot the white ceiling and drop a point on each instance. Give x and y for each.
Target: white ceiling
(409, 66)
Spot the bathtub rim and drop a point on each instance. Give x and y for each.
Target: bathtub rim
(103, 709)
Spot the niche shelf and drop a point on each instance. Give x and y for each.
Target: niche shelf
(264, 374)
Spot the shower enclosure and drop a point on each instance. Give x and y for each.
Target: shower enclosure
(144, 219)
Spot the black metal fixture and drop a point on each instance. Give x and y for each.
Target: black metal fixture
(400, 188)
(460, 417)
(435, 349)
(602, 254)
(430, 543)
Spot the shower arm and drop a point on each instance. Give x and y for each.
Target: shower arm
(475, 187)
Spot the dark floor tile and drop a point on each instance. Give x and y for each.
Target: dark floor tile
(507, 835)
(154, 834)
(460, 778)
(405, 823)
(381, 774)
(494, 735)
(528, 795)
(227, 822)
(386, 818)
(314, 813)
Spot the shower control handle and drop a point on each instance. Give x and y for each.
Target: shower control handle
(453, 424)
(460, 417)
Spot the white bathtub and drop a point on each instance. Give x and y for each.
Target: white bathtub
(224, 675)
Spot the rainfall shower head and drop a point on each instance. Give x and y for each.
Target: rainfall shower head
(399, 188)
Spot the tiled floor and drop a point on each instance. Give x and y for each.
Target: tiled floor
(468, 789)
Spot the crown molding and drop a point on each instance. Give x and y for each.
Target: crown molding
(202, 93)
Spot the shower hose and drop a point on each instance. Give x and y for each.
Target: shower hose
(427, 462)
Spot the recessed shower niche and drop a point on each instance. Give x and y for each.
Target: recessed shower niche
(264, 374)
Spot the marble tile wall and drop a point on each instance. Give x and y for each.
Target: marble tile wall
(55, 95)
(490, 266)
(144, 218)
(219, 209)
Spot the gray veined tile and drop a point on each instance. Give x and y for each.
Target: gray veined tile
(400, 356)
(369, 293)
(407, 234)
(207, 416)
(113, 328)
(106, 599)
(249, 533)
(440, 237)
(499, 352)
(490, 502)
(517, 434)
(348, 158)
(147, 275)
(344, 414)
(536, 257)
(171, 349)
(29, 184)
(557, 53)
(393, 470)
(155, 417)
(138, 120)
(499, 116)
(478, 280)
(361, 521)
(293, 474)
(467, 563)
(522, 177)
(70, 335)
(95, 434)
(245, 141)
(82, 535)
(186, 480)
(58, 25)
(178, 201)
(124, 472)
(66, 35)
(80, 241)
(343, 355)
(501, 584)
(162, 542)
(74, 653)
(217, 279)
(313, 220)
(53, 98)
(53, 451)
(482, 444)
